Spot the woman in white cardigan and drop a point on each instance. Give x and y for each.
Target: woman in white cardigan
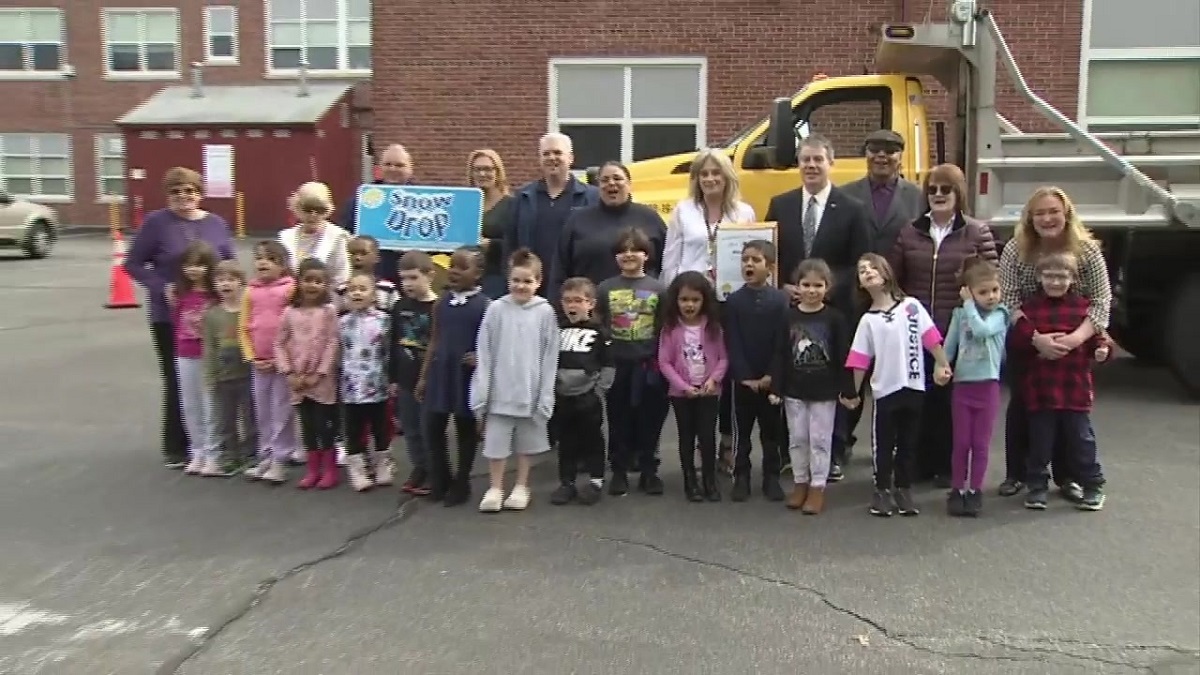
(713, 198)
(314, 236)
(691, 246)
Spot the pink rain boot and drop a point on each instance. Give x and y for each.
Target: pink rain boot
(330, 471)
(312, 473)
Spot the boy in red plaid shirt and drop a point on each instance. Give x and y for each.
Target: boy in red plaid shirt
(1059, 392)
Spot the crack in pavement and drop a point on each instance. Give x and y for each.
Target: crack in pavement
(911, 640)
(406, 508)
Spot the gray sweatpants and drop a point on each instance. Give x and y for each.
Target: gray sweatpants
(233, 409)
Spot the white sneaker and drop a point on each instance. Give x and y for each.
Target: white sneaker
(493, 501)
(341, 453)
(356, 471)
(299, 456)
(195, 466)
(257, 471)
(276, 473)
(518, 499)
(385, 468)
(212, 467)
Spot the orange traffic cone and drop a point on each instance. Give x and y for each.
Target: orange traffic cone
(120, 286)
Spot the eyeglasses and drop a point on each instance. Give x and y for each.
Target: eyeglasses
(315, 211)
(186, 191)
(882, 148)
(944, 190)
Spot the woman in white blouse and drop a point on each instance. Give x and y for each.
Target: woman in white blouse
(314, 236)
(713, 198)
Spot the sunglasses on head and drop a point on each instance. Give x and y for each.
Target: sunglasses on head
(944, 190)
(184, 191)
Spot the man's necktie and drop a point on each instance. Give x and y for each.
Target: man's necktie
(809, 225)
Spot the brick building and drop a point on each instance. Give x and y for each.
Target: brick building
(68, 68)
(630, 79)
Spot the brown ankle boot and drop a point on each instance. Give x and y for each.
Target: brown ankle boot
(798, 497)
(815, 502)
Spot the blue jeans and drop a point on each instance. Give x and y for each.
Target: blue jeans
(412, 421)
(1070, 429)
(637, 409)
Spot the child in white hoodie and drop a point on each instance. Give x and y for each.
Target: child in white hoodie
(512, 388)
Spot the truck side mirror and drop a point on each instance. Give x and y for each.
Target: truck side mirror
(781, 134)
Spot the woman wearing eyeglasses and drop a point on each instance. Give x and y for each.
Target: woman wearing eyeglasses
(154, 260)
(927, 258)
(314, 236)
(485, 170)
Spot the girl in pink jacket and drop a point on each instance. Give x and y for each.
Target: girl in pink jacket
(267, 296)
(692, 359)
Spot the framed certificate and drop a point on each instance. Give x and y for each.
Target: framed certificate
(727, 261)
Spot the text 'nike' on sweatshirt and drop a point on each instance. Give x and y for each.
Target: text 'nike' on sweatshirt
(584, 358)
(517, 359)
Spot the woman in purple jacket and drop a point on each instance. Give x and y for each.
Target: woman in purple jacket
(154, 261)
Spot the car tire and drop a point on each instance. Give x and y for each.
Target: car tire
(40, 241)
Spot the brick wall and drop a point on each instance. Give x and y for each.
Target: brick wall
(452, 77)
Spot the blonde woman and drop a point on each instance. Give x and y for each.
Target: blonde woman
(713, 198)
(314, 236)
(485, 170)
(691, 246)
(1049, 224)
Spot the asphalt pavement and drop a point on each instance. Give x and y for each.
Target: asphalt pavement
(112, 564)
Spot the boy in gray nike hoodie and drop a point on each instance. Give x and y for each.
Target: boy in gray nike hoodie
(512, 388)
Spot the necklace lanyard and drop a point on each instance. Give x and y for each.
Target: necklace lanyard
(710, 229)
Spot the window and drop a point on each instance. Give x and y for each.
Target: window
(327, 35)
(36, 165)
(1140, 65)
(220, 35)
(110, 166)
(628, 109)
(141, 42)
(31, 41)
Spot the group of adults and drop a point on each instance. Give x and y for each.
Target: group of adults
(924, 230)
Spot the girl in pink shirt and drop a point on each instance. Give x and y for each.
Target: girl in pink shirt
(306, 352)
(267, 296)
(693, 360)
(190, 298)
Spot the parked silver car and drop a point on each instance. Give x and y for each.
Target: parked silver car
(33, 228)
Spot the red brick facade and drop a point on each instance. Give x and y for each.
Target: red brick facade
(452, 77)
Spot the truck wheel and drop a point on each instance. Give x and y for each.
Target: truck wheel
(1181, 335)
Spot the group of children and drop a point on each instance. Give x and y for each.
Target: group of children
(521, 375)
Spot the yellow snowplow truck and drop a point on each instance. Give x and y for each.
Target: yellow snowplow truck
(1139, 192)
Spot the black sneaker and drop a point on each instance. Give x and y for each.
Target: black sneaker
(1091, 499)
(619, 485)
(973, 501)
(588, 494)
(772, 490)
(741, 488)
(1072, 492)
(1036, 499)
(835, 473)
(882, 504)
(564, 494)
(1010, 487)
(905, 505)
(651, 484)
(956, 503)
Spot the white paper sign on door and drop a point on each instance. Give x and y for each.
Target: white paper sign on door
(218, 171)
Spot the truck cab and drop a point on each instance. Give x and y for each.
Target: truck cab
(844, 109)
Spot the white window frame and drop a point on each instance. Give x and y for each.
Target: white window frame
(62, 46)
(343, 23)
(1134, 54)
(176, 74)
(627, 120)
(102, 154)
(36, 157)
(209, 57)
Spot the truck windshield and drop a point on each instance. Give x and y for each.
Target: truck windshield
(748, 129)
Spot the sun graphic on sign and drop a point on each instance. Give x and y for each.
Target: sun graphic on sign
(372, 198)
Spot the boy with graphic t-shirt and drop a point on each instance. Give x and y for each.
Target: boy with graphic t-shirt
(627, 305)
(585, 373)
(412, 319)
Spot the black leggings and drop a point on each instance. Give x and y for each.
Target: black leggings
(439, 446)
(174, 436)
(696, 419)
(363, 416)
(897, 419)
(318, 424)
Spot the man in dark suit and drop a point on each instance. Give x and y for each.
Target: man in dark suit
(892, 203)
(818, 220)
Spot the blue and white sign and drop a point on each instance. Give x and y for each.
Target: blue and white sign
(420, 218)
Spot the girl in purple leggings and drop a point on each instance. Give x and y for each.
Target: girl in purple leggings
(975, 346)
